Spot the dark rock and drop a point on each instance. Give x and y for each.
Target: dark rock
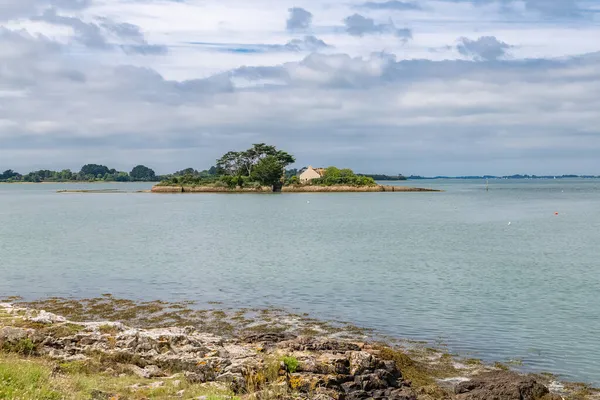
(316, 344)
(401, 394)
(501, 385)
(267, 338)
(361, 362)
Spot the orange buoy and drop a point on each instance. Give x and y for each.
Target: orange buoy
(555, 213)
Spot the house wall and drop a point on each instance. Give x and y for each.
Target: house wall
(309, 175)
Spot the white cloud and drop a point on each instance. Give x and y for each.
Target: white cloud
(372, 102)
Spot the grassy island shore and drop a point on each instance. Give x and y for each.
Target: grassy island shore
(109, 348)
(287, 189)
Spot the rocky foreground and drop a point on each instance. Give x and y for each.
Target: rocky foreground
(257, 364)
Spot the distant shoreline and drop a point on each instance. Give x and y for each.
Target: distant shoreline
(74, 182)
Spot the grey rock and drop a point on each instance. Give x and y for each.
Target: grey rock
(501, 385)
(8, 334)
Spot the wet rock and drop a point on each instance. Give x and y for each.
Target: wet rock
(266, 338)
(360, 362)
(501, 385)
(319, 344)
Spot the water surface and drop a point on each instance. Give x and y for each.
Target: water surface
(433, 266)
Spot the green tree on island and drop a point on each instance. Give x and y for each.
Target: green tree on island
(261, 163)
(142, 173)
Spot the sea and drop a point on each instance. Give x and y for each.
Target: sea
(508, 274)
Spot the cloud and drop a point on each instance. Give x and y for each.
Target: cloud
(88, 34)
(299, 19)
(358, 25)
(485, 48)
(392, 5)
(27, 8)
(308, 43)
(324, 96)
(547, 8)
(359, 112)
(94, 35)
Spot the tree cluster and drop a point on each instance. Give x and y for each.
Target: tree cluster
(260, 165)
(88, 173)
(336, 176)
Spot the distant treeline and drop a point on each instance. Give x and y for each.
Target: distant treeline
(378, 177)
(505, 177)
(88, 173)
(141, 173)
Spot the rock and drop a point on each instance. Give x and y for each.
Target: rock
(197, 377)
(180, 393)
(45, 317)
(266, 338)
(150, 371)
(236, 381)
(501, 385)
(156, 385)
(12, 335)
(176, 383)
(360, 362)
(318, 344)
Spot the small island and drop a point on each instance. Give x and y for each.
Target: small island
(262, 169)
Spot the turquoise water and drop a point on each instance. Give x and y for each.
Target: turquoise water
(433, 266)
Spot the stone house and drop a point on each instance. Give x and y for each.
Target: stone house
(311, 173)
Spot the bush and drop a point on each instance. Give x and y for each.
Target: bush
(291, 364)
(294, 180)
(336, 176)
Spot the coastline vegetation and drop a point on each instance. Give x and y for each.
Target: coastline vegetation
(260, 166)
(88, 173)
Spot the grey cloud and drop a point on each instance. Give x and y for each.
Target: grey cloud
(94, 35)
(358, 25)
(308, 43)
(299, 19)
(88, 34)
(392, 5)
(485, 48)
(132, 33)
(547, 8)
(27, 8)
(327, 109)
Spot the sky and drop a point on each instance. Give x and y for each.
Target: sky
(424, 87)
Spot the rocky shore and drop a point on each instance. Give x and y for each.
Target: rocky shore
(272, 356)
(289, 189)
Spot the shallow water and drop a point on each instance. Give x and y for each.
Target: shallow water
(432, 266)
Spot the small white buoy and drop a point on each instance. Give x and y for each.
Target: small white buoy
(307, 202)
(509, 223)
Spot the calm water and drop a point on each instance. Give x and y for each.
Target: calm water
(418, 265)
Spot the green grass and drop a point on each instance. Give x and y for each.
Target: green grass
(24, 347)
(35, 378)
(291, 364)
(25, 380)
